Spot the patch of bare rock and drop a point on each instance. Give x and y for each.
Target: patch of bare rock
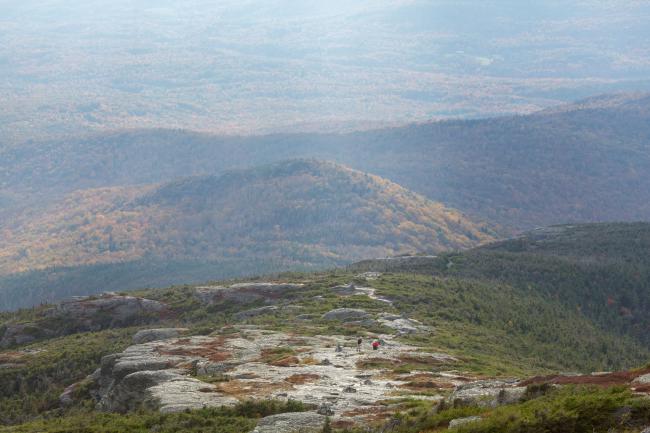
(487, 393)
(201, 371)
(296, 422)
(81, 315)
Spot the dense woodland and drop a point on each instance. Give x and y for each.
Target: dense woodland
(578, 163)
(598, 273)
(295, 215)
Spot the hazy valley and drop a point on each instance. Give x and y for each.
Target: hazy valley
(380, 216)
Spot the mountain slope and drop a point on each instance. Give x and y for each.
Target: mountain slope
(457, 332)
(582, 162)
(600, 271)
(297, 214)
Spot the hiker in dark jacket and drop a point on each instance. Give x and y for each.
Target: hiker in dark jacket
(359, 341)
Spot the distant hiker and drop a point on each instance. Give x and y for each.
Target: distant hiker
(339, 349)
(375, 345)
(359, 341)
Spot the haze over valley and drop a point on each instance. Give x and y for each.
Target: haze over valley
(283, 216)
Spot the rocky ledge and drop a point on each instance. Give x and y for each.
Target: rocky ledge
(81, 315)
(249, 363)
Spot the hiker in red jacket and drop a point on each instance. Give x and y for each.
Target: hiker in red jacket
(375, 345)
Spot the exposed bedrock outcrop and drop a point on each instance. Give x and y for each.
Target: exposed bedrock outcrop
(462, 421)
(346, 315)
(169, 375)
(487, 393)
(81, 315)
(295, 422)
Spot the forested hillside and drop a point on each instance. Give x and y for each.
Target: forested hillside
(299, 214)
(578, 163)
(599, 271)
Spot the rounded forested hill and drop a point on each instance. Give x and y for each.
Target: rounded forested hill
(297, 212)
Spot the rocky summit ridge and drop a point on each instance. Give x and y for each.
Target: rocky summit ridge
(172, 370)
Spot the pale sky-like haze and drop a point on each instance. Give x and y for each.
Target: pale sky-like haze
(239, 67)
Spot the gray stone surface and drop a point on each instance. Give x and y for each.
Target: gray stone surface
(487, 393)
(153, 376)
(345, 290)
(157, 375)
(642, 380)
(462, 421)
(147, 335)
(83, 314)
(403, 325)
(294, 422)
(346, 315)
(22, 333)
(115, 309)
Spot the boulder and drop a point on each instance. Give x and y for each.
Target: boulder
(345, 290)
(107, 310)
(16, 334)
(346, 315)
(402, 325)
(462, 421)
(145, 376)
(293, 422)
(147, 335)
(132, 391)
(487, 393)
(83, 314)
(642, 380)
(325, 409)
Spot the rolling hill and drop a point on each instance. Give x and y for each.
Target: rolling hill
(297, 214)
(583, 162)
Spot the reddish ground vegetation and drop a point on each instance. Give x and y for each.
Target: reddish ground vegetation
(214, 350)
(425, 381)
(299, 379)
(341, 424)
(376, 413)
(371, 363)
(11, 356)
(288, 361)
(605, 379)
(419, 359)
(244, 390)
(644, 388)
(296, 341)
(206, 389)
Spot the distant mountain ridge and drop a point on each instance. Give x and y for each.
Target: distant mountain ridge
(583, 162)
(297, 214)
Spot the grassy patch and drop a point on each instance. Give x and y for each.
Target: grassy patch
(237, 419)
